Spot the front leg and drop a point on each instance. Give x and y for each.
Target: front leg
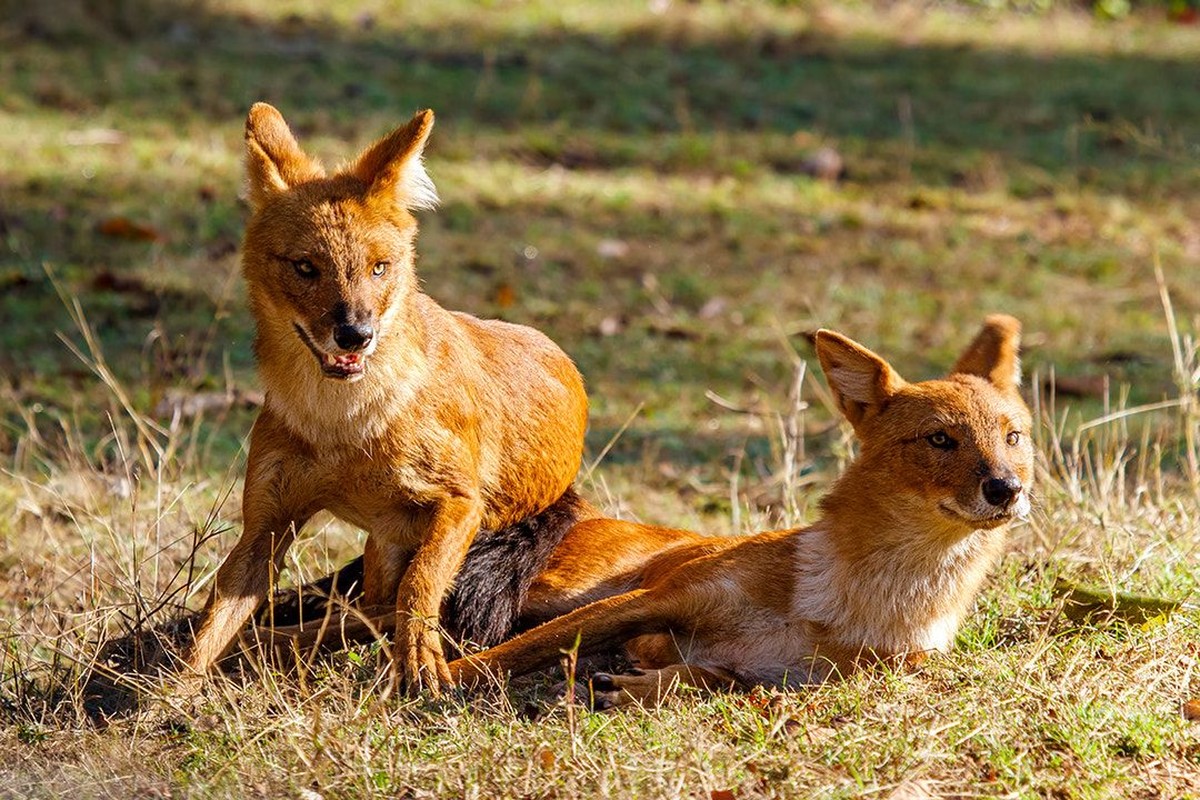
(244, 580)
(418, 659)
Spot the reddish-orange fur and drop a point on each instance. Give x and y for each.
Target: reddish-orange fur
(433, 425)
(906, 538)
(889, 571)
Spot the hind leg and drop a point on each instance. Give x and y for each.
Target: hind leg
(650, 687)
(597, 558)
(383, 566)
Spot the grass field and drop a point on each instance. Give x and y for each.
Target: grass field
(631, 178)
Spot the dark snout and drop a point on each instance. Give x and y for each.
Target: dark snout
(353, 336)
(353, 330)
(1000, 492)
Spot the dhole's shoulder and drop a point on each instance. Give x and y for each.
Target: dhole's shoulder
(506, 342)
(502, 332)
(508, 357)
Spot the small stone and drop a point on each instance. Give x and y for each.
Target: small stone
(610, 326)
(612, 248)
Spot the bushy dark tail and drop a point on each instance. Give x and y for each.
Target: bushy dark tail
(491, 586)
(498, 570)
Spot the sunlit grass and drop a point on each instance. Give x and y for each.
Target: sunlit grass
(633, 183)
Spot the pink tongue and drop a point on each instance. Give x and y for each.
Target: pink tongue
(347, 359)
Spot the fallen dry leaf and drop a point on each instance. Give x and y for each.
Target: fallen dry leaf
(108, 281)
(671, 329)
(125, 228)
(1081, 603)
(1081, 386)
(722, 794)
(1191, 710)
(546, 758)
(504, 296)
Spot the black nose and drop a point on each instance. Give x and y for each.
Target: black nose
(353, 337)
(1001, 491)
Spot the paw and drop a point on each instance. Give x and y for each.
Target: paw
(418, 661)
(606, 692)
(603, 682)
(636, 686)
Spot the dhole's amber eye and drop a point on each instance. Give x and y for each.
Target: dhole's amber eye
(304, 268)
(380, 268)
(1013, 438)
(941, 440)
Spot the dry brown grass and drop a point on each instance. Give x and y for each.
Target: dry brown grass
(632, 183)
(1030, 703)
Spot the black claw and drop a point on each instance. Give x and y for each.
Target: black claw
(603, 682)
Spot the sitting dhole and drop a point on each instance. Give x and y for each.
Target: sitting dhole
(906, 537)
(417, 424)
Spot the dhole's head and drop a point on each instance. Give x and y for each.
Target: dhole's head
(328, 259)
(958, 448)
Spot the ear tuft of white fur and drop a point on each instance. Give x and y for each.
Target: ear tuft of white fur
(392, 168)
(416, 188)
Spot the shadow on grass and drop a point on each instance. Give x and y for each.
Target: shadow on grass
(182, 59)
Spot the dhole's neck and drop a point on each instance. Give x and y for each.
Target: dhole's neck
(886, 572)
(326, 412)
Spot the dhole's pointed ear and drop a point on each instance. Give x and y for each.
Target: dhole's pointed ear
(392, 167)
(994, 354)
(274, 161)
(861, 380)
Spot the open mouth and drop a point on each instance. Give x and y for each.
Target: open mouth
(343, 366)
